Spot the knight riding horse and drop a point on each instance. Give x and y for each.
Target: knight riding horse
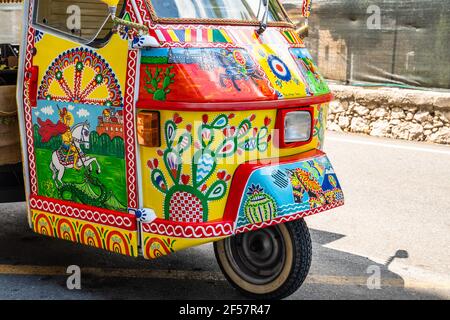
(69, 155)
(67, 138)
(63, 127)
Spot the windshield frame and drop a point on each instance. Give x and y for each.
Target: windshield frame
(213, 21)
(94, 41)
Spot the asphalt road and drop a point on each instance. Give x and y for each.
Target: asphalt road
(396, 220)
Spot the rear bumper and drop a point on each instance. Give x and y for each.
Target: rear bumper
(285, 190)
(262, 194)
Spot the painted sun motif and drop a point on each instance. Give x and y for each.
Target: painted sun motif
(81, 76)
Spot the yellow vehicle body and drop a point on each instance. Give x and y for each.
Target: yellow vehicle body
(179, 133)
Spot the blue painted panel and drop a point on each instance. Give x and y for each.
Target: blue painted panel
(287, 189)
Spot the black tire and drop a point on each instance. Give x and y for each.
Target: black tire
(267, 264)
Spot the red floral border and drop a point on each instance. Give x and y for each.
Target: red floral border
(185, 230)
(27, 105)
(130, 137)
(86, 213)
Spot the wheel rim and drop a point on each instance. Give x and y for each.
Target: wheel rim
(258, 257)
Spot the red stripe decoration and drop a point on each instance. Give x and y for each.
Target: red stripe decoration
(130, 137)
(152, 33)
(143, 11)
(234, 106)
(131, 12)
(84, 213)
(191, 231)
(204, 35)
(306, 8)
(27, 106)
(166, 35)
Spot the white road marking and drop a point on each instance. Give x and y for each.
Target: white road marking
(389, 145)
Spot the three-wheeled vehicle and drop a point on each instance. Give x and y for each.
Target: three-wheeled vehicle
(151, 126)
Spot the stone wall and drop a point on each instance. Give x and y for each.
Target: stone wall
(391, 112)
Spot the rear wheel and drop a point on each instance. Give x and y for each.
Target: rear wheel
(269, 263)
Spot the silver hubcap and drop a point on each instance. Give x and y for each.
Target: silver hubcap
(258, 257)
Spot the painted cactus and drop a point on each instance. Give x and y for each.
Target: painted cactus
(188, 196)
(153, 83)
(259, 207)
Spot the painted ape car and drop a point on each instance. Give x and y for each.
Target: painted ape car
(153, 126)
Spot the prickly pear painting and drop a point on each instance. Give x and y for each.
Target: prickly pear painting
(202, 75)
(287, 189)
(187, 196)
(78, 132)
(315, 83)
(259, 206)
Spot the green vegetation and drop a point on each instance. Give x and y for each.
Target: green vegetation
(154, 60)
(113, 177)
(101, 145)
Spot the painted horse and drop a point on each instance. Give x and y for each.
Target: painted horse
(62, 159)
(237, 67)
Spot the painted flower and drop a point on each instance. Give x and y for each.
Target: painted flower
(38, 36)
(254, 189)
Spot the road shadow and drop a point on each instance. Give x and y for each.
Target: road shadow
(334, 274)
(356, 274)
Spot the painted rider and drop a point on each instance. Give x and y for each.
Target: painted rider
(66, 117)
(47, 130)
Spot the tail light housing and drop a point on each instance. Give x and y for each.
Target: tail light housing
(148, 129)
(295, 127)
